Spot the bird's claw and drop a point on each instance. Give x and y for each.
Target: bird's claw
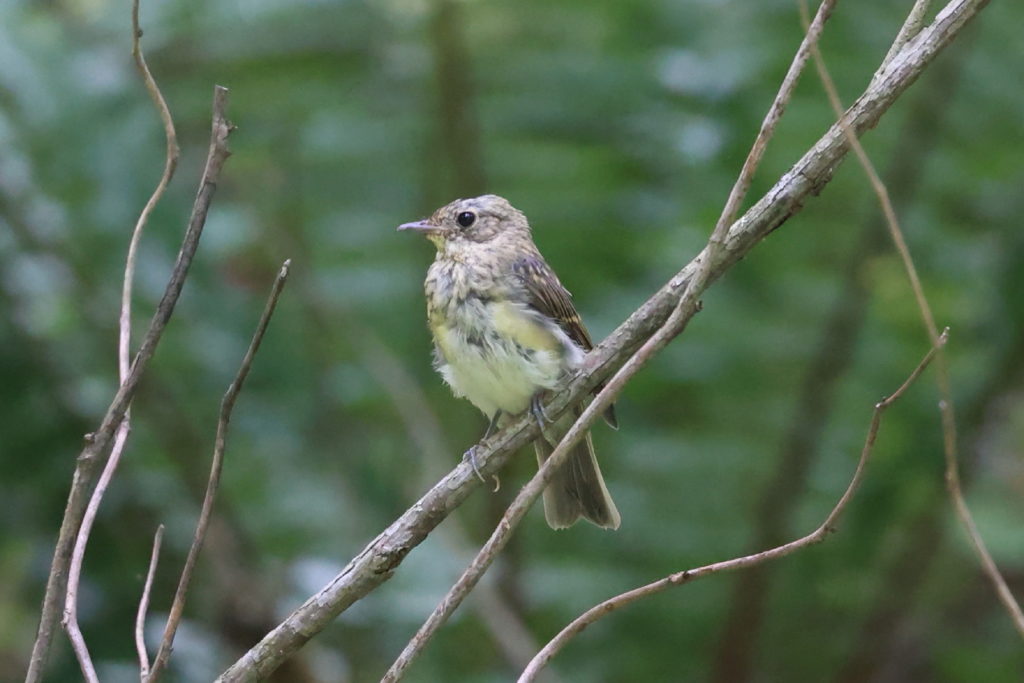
(470, 457)
(538, 412)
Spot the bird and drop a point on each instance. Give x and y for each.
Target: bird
(506, 333)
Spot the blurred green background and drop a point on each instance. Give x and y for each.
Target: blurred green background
(618, 128)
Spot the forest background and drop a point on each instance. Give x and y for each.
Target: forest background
(618, 128)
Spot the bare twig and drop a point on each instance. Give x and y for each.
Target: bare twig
(227, 405)
(771, 119)
(378, 560)
(946, 408)
(170, 164)
(964, 514)
(688, 306)
(911, 27)
(90, 459)
(140, 616)
(676, 322)
(906, 575)
(70, 613)
(737, 644)
(458, 143)
(817, 536)
(504, 624)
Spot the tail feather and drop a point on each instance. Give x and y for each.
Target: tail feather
(577, 489)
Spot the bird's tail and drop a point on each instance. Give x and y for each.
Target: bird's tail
(577, 489)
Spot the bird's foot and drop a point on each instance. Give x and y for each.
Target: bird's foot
(492, 425)
(470, 457)
(537, 410)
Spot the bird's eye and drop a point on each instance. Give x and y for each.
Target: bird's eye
(465, 219)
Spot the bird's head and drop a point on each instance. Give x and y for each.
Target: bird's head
(465, 222)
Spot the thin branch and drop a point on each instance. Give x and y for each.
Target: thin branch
(686, 308)
(90, 459)
(502, 621)
(170, 164)
(911, 27)
(227, 405)
(689, 305)
(378, 560)
(946, 408)
(771, 119)
(904, 578)
(964, 514)
(140, 616)
(817, 536)
(70, 612)
(70, 615)
(458, 142)
(738, 638)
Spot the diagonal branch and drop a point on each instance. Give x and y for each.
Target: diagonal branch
(688, 307)
(422, 426)
(602, 609)
(771, 119)
(379, 559)
(684, 311)
(911, 27)
(91, 458)
(227, 405)
(738, 640)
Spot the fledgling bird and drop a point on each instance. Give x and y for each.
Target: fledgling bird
(505, 332)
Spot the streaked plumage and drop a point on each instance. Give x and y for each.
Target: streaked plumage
(505, 329)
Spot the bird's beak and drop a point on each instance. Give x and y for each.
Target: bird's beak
(420, 226)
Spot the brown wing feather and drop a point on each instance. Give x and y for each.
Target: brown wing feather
(550, 298)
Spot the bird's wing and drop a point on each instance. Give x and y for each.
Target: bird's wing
(548, 296)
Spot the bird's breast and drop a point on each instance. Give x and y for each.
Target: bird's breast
(495, 351)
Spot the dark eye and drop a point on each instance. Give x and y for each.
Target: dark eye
(465, 219)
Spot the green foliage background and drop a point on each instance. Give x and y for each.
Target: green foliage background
(618, 128)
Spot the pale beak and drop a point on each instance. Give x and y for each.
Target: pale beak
(419, 226)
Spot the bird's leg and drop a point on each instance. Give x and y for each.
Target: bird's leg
(537, 410)
(470, 455)
(492, 425)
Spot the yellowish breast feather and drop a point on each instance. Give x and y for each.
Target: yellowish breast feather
(512, 323)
